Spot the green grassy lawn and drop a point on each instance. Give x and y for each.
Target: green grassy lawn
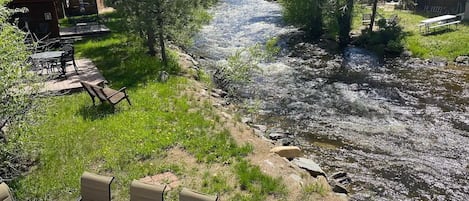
(445, 43)
(131, 142)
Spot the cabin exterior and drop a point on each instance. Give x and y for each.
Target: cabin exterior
(70, 8)
(441, 7)
(41, 17)
(466, 14)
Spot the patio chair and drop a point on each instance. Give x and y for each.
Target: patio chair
(5, 193)
(140, 191)
(69, 55)
(393, 20)
(366, 19)
(95, 187)
(190, 195)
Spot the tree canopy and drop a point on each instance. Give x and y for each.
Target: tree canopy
(318, 16)
(159, 20)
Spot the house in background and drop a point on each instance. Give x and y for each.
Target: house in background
(441, 7)
(80, 7)
(466, 14)
(70, 8)
(40, 18)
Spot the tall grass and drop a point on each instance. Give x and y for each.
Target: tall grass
(258, 185)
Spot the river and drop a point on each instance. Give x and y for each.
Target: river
(399, 129)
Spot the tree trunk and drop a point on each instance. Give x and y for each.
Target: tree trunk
(345, 23)
(373, 14)
(151, 41)
(162, 45)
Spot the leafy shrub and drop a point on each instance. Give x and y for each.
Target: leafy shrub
(387, 40)
(17, 96)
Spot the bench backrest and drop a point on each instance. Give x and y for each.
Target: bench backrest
(94, 90)
(99, 92)
(88, 88)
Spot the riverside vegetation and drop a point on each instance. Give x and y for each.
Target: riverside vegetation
(335, 19)
(447, 44)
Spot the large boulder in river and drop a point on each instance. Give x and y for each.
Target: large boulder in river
(277, 136)
(339, 182)
(462, 60)
(287, 151)
(310, 166)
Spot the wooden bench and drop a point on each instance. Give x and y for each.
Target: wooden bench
(105, 94)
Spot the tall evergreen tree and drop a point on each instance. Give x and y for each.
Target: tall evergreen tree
(373, 14)
(158, 20)
(345, 22)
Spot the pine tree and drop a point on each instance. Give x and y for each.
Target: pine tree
(156, 21)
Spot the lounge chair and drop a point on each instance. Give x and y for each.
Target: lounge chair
(140, 191)
(5, 193)
(95, 187)
(190, 195)
(105, 94)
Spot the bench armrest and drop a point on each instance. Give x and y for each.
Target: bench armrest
(120, 90)
(101, 83)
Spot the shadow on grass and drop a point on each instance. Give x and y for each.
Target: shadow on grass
(100, 111)
(121, 57)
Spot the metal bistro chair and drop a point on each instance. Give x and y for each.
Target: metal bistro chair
(69, 55)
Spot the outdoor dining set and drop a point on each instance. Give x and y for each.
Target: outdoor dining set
(52, 56)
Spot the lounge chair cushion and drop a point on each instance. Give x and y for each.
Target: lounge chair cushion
(95, 187)
(190, 195)
(140, 191)
(5, 194)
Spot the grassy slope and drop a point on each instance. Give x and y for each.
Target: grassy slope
(132, 141)
(449, 44)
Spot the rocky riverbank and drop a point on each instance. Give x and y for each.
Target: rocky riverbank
(295, 168)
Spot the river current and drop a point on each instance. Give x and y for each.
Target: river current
(399, 129)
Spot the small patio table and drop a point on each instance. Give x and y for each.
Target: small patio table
(50, 56)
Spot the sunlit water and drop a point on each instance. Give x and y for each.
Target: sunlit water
(400, 131)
